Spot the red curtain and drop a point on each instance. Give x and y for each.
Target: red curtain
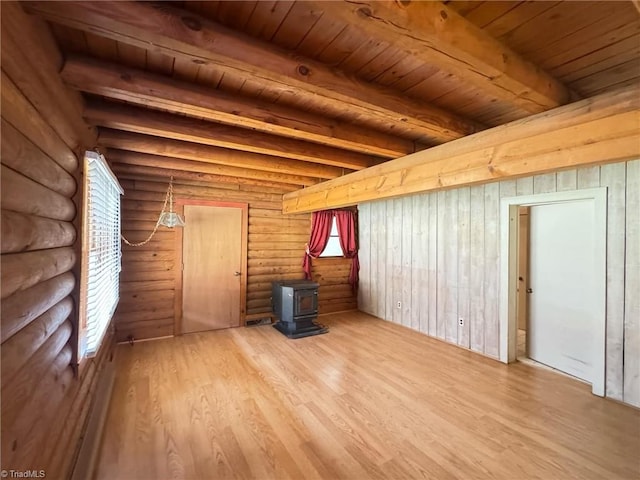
(320, 231)
(346, 223)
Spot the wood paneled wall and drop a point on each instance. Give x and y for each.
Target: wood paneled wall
(438, 255)
(44, 403)
(275, 248)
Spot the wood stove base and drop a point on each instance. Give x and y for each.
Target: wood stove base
(300, 329)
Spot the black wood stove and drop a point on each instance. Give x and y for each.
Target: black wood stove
(295, 303)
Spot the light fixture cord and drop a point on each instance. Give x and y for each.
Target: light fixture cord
(168, 196)
(171, 195)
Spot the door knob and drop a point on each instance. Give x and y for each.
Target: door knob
(237, 274)
(529, 290)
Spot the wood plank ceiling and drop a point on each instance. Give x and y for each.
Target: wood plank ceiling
(292, 93)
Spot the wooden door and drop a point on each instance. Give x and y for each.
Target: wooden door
(212, 276)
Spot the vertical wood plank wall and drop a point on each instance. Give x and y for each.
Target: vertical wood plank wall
(275, 247)
(44, 404)
(438, 254)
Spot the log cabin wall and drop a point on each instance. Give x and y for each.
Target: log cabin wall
(275, 248)
(438, 254)
(44, 403)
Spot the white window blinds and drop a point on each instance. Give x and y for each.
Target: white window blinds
(101, 253)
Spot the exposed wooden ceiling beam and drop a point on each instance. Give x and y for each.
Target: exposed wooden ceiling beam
(222, 173)
(441, 37)
(186, 35)
(179, 127)
(137, 142)
(141, 88)
(152, 183)
(136, 172)
(597, 130)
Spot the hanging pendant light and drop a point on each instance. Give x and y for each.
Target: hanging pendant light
(168, 219)
(171, 219)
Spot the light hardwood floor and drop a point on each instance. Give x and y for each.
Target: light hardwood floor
(371, 399)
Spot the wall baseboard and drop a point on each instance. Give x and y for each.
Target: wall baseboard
(90, 448)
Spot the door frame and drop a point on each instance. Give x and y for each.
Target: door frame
(179, 266)
(509, 277)
(522, 264)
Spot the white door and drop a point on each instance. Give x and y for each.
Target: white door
(564, 296)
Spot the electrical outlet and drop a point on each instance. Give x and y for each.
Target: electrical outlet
(461, 322)
(399, 305)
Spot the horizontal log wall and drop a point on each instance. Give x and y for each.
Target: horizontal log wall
(275, 248)
(45, 403)
(438, 255)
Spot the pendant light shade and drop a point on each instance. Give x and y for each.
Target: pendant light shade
(171, 219)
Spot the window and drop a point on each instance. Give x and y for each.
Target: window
(333, 248)
(99, 290)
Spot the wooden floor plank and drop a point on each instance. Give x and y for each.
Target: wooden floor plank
(371, 399)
